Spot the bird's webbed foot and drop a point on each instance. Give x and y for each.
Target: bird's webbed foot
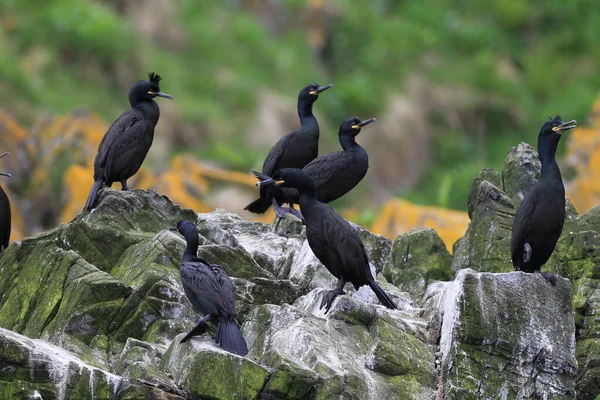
(280, 211)
(124, 186)
(527, 252)
(330, 296)
(550, 277)
(297, 214)
(200, 329)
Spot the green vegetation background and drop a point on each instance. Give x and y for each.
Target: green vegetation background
(520, 60)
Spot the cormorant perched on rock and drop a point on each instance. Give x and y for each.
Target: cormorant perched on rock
(335, 174)
(126, 143)
(331, 238)
(539, 220)
(211, 292)
(294, 150)
(4, 215)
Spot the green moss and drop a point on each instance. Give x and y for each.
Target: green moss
(419, 257)
(235, 262)
(290, 383)
(486, 245)
(399, 353)
(223, 376)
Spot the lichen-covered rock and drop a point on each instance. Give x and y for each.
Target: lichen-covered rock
(507, 336)
(35, 369)
(486, 244)
(521, 171)
(106, 289)
(419, 257)
(357, 351)
(577, 257)
(207, 371)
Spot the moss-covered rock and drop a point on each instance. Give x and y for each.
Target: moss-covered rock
(358, 351)
(577, 257)
(205, 370)
(510, 335)
(521, 171)
(33, 369)
(106, 287)
(419, 257)
(486, 244)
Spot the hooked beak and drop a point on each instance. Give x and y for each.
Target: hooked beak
(363, 123)
(321, 89)
(265, 180)
(565, 126)
(161, 94)
(269, 182)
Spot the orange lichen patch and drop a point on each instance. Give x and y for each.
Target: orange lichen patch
(77, 182)
(583, 154)
(11, 127)
(399, 216)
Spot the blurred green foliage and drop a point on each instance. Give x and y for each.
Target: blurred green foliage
(523, 60)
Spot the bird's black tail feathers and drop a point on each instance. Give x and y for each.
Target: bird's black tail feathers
(383, 297)
(93, 193)
(230, 338)
(262, 204)
(259, 206)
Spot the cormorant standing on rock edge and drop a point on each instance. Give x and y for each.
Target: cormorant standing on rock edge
(4, 215)
(294, 150)
(126, 143)
(539, 220)
(331, 238)
(335, 174)
(211, 292)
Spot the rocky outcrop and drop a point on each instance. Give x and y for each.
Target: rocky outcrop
(497, 342)
(95, 308)
(418, 258)
(486, 247)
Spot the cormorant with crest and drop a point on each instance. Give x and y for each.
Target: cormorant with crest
(539, 220)
(294, 150)
(126, 143)
(211, 292)
(4, 214)
(331, 238)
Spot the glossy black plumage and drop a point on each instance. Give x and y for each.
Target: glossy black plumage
(335, 174)
(4, 215)
(539, 219)
(331, 238)
(294, 150)
(127, 141)
(211, 292)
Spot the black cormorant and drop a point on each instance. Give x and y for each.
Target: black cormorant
(210, 290)
(539, 220)
(127, 141)
(294, 150)
(331, 238)
(335, 174)
(4, 215)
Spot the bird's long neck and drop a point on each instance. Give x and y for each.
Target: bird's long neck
(307, 119)
(307, 199)
(348, 143)
(191, 251)
(547, 151)
(148, 108)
